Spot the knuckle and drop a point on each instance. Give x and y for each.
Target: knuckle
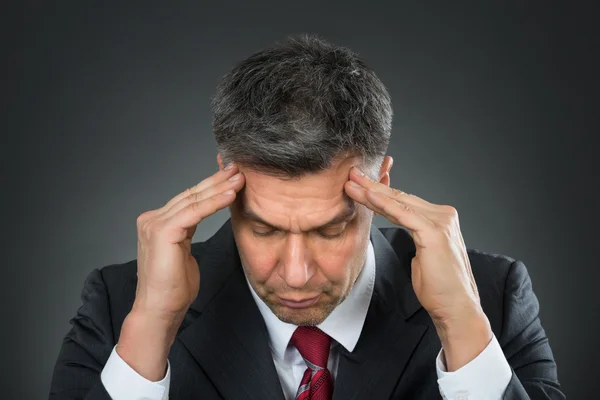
(146, 231)
(143, 218)
(195, 206)
(453, 212)
(448, 217)
(188, 192)
(140, 220)
(395, 192)
(405, 207)
(189, 199)
(199, 196)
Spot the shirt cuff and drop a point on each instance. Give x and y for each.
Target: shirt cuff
(484, 377)
(123, 383)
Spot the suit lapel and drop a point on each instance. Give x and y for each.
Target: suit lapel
(229, 338)
(388, 339)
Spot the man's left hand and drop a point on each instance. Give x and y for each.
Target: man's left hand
(441, 272)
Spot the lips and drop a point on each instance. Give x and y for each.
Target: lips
(301, 303)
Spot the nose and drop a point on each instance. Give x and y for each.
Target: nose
(295, 267)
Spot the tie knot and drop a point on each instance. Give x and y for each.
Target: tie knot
(313, 345)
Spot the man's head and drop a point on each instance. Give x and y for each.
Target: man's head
(295, 118)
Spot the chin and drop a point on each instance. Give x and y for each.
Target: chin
(310, 316)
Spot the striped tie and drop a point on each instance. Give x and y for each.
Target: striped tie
(313, 345)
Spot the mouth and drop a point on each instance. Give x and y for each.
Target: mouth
(300, 303)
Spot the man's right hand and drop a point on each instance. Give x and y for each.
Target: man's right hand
(168, 274)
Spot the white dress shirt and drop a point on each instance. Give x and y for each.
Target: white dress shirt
(485, 377)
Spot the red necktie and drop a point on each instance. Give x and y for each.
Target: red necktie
(313, 345)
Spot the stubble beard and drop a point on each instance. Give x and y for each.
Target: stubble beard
(310, 316)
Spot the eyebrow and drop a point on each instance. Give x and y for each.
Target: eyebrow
(345, 215)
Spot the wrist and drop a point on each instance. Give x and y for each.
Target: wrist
(161, 317)
(463, 339)
(144, 343)
(160, 306)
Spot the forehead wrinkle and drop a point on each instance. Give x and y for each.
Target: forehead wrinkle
(350, 206)
(349, 203)
(257, 196)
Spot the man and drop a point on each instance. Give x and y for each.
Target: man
(298, 295)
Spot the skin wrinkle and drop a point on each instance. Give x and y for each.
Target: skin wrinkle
(297, 262)
(347, 213)
(286, 200)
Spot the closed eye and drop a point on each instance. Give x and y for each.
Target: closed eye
(329, 233)
(267, 233)
(333, 233)
(330, 236)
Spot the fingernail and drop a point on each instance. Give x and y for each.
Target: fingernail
(235, 177)
(228, 167)
(354, 184)
(228, 192)
(359, 172)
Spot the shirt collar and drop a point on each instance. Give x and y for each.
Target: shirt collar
(345, 322)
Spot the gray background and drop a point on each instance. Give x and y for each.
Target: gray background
(495, 113)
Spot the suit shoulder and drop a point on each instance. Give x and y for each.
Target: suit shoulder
(120, 273)
(490, 269)
(491, 272)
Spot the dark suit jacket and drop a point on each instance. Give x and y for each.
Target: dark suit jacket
(222, 351)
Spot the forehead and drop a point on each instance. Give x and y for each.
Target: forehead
(309, 195)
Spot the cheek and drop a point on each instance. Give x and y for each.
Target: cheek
(333, 258)
(338, 259)
(258, 257)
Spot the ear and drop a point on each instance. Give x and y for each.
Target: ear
(220, 161)
(384, 172)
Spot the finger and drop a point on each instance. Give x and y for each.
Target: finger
(219, 176)
(236, 182)
(400, 213)
(359, 194)
(396, 194)
(194, 213)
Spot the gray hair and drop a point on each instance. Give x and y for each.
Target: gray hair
(292, 109)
